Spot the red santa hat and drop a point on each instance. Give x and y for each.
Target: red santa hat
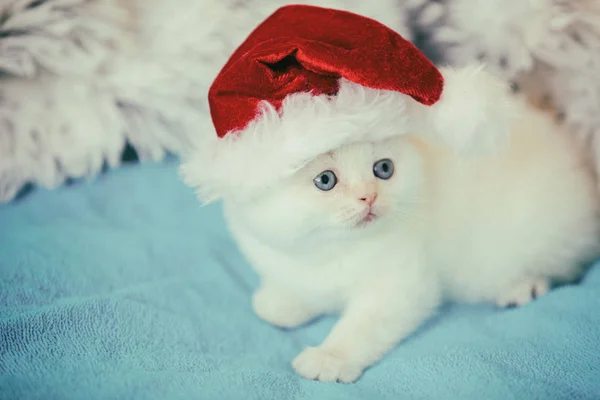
(310, 79)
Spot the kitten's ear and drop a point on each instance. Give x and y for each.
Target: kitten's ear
(473, 115)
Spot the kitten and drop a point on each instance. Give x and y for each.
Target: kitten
(384, 232)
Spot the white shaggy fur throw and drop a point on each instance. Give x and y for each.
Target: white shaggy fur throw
(79, 79)
(549, 48)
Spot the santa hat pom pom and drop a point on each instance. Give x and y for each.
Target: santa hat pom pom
(474, 113)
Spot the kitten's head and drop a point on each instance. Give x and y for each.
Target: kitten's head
(351, 191)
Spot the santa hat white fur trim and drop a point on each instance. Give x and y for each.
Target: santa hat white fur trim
(277, 144)
(472, 117)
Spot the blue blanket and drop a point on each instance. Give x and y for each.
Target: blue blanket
(125, 288)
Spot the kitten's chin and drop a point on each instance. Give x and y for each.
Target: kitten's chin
(366, 220)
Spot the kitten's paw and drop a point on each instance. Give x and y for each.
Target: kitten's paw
(279, 309)
(325, 365)
(524, 292)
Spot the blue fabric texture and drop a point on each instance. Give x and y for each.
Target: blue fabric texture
(125, 288)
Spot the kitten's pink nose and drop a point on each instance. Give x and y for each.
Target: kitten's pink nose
(369, 199)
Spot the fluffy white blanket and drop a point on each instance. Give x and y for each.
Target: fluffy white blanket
(82, 79)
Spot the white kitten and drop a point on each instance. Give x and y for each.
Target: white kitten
(384, 242)
(318, 251)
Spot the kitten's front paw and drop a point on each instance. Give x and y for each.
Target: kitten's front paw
(280, 309)
(325, 365)
(524, 292)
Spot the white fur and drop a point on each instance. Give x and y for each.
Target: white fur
(473, 100)
(85, 77)
(491, 229)
(503, 225)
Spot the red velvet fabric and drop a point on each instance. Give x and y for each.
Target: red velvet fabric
(306, 48)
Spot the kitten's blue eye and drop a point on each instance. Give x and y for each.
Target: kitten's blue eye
(325, 181)
(383, 169)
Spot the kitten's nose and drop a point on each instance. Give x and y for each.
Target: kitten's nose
(369, 199)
